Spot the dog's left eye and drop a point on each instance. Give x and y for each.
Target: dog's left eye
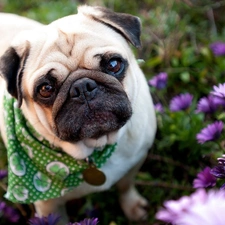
(46, 90)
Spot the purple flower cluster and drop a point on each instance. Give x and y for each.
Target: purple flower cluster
(53, 219)
(178, 103)
(208, 177)
(209, 104)
(199, 208)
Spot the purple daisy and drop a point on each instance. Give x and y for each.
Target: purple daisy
(219, 101)
(218, 48)
(92, 221)
(198, 208)
(209, 104)
(159, 81)
(219, 170)
(219, 90)
(204, 179)
(181, 102)
(210, 133)
(172, 209)
(159, 108)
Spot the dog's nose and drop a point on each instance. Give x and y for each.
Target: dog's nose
(83, 89)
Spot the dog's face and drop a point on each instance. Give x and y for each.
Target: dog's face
(71, 78)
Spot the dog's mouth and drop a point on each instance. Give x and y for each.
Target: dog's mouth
(92, 125)
(90, 109)
(98, 124)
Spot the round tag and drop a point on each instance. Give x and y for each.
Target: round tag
(94, 176)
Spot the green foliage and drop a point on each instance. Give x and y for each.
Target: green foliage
(42, 11)
(175, 39)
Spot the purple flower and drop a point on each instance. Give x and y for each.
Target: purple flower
(92, 221)
(159, 81)
(198, 208)
(172, 209)
(209, 104)
(219, 90)
(218, 48)
(219, 170)
(219, 101)
(9, 212)
(159, 108)
(210, 133)
(51, 219)
(204, 179)
(3, 174)
(181, 102)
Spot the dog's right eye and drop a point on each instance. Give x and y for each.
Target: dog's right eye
(46, 90)
(114, 65)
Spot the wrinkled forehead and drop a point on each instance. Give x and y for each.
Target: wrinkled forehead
(70, 43)
(82, 28)
(77, 33)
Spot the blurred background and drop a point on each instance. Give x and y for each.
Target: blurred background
(176, 39)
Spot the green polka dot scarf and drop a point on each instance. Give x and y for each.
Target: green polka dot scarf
(36, 170)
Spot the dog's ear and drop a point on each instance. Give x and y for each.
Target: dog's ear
(11, 69)
(127, 25)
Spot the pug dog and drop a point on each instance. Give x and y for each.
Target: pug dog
(76, 113)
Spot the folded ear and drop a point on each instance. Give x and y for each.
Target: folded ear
(11, 69)
(127, 25)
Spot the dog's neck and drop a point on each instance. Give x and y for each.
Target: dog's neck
(36, 171)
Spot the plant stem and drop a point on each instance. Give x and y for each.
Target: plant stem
(164, 185)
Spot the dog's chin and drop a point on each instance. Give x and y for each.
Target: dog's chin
(100, 142)
(83, 149)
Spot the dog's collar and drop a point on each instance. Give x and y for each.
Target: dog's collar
(36, 171)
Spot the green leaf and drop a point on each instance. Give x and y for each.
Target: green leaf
(154, 61)
(185, 76)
